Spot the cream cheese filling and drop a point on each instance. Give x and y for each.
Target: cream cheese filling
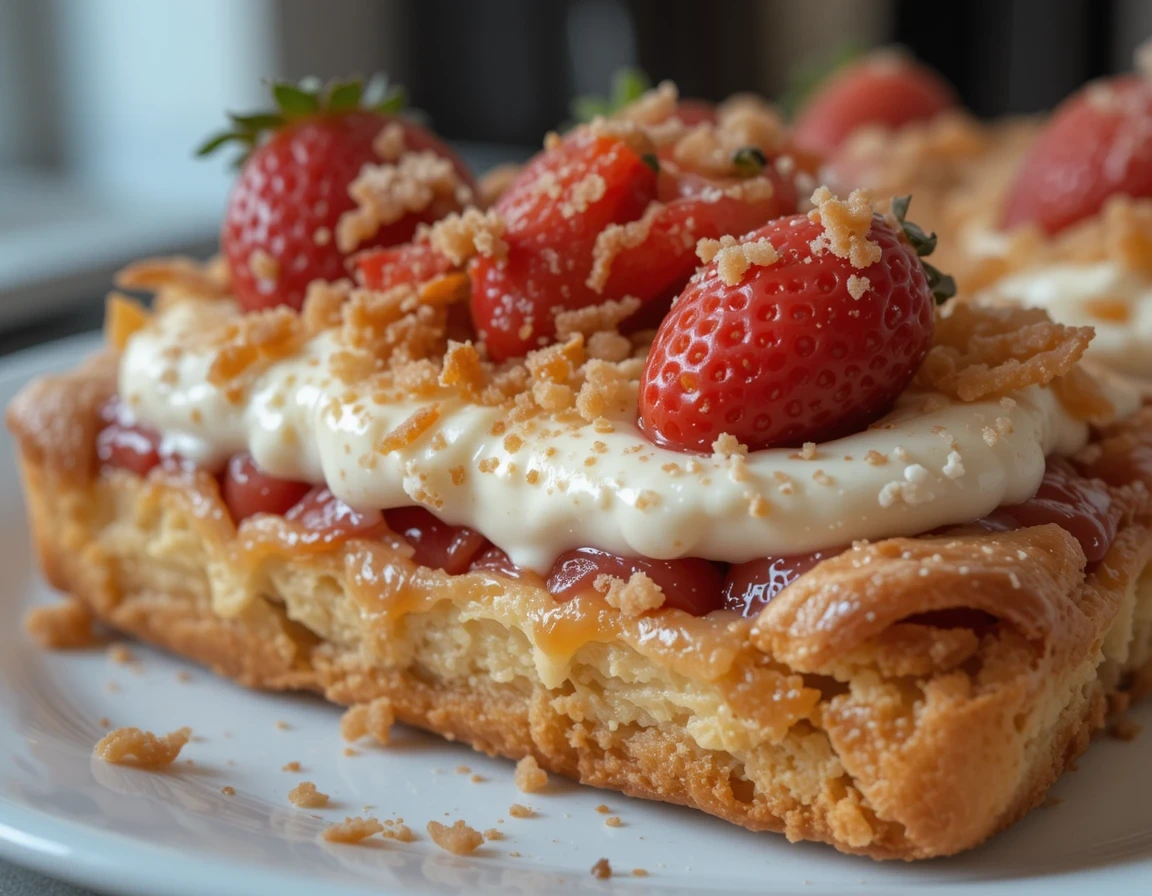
(932, 461)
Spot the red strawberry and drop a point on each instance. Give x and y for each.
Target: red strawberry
(281, 225)
(551, 252)
(552, 214)
(885, 89)
(786, 354)
(1098, 143)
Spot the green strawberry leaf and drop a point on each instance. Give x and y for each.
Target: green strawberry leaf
(942, 286)
(628, 85)
(294, 101)
(749, 161)
(309, 97)
(344, 95)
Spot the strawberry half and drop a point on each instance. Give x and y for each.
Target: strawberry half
(802, 347)
(282, 224)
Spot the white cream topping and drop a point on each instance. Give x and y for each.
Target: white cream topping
(937, 461)
(1092, 294)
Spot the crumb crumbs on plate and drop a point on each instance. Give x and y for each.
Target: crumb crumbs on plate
(351, 751)
(516, 810)
(63, 625)
(373, 718)
(459, 839)
(121, 654)
(281, 725)
(131, 746)
(639, 872)
(493, 834)
(613, 821)
(292, 766)
(397, 830)
(105, 722)
(602, 809)
(477, 779)
(602, 870)
(306, 796)
(227, 789)
(530, 778)
(352, 830)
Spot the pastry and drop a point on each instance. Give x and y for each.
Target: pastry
(806, 552)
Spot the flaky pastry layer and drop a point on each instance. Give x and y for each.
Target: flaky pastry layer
(903, 700)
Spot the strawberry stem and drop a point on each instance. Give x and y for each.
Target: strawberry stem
(943, 286)
(628, 85)
(749, 161)
(297, 101)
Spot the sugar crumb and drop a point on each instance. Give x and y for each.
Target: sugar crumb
(602, 870)
(143, 749)
(352, 830)
(397, 830)
(373, 719)
(459, 839)
(530, 778)
(516, 810)
(632, 598)
(305, 796)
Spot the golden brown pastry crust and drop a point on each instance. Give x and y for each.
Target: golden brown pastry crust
(846, 713)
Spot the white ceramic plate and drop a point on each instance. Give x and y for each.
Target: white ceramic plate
(175, 834)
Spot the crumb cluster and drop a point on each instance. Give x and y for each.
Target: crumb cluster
(459, 839)
(62, 625)
(143, 749)
(374, 719)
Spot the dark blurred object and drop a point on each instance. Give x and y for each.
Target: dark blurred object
(1017, 56)
(504, 70)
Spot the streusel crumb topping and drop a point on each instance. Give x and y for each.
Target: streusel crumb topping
(143, 749)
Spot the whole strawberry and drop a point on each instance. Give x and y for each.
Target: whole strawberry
(882, 89)
(282, 228)
(1098, 143)
(780, 340)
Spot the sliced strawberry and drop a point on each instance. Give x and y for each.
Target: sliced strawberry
(1098, 143)
(884, 89)
(695, 208)
(791, 352)
(281, 227)
(552, 214)
(553, 246)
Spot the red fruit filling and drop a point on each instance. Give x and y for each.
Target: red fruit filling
(437, 544)
(1078, 504)
(331, 520)
(124, 444)
(689, 584)
(247, 490)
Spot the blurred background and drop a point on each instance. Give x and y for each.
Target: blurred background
(102, 101)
